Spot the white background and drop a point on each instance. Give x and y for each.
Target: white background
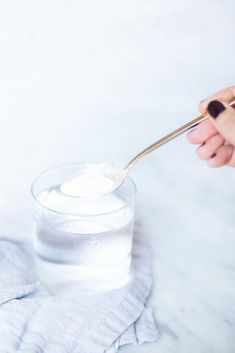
(91, 81)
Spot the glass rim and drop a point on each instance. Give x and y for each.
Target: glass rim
(47, 171)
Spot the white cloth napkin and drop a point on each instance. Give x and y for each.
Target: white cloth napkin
(33, 321)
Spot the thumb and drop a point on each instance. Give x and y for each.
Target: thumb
(222, 116)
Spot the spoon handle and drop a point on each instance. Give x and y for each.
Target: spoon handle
(172, 135)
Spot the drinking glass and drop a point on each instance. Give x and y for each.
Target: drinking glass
(82, 243)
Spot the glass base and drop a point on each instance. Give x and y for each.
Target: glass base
(70, 279)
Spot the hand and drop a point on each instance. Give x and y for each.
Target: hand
(216, 136)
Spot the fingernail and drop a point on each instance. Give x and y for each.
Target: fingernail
(202, 101)
(213, 155)
(215, 108)
(193, 126)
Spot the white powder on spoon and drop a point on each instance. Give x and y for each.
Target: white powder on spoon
(95, 180)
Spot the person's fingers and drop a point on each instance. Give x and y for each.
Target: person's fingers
(217, 135)
(202, 132)
(222, 117)
(210, 147)
(222, 156)
(231, 162)
(225, 95)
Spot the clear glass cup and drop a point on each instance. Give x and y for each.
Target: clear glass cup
(82, 244)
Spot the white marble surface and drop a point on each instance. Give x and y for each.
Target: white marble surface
(96, 81)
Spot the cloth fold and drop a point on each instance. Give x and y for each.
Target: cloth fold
(33, 321)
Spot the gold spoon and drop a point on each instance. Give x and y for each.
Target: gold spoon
(118, 173)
